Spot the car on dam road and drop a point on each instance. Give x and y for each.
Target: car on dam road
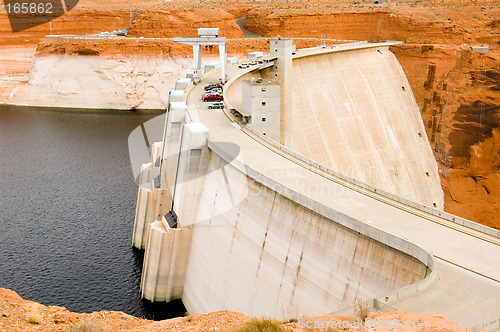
(216, 106)
(216, 91)
(213, 86)
(212, 96)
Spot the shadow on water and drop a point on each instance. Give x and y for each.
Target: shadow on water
(156, 310)
(160, 311)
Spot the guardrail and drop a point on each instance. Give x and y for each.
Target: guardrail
(365, 186)
(396, 198)
(111, 36)
(313, 51)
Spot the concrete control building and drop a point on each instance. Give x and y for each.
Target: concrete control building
(261, 100)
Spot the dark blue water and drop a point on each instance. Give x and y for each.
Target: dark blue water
(67, 205)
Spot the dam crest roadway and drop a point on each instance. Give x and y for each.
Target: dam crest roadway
(270, 229)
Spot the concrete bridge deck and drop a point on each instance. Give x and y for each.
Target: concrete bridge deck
(468, 283)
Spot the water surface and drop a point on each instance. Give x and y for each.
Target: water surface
(67, 205)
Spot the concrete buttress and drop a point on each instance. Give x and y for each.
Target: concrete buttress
(168, 247)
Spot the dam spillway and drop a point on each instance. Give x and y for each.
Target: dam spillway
(269, 232)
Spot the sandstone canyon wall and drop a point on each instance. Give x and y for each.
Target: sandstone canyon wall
(455, 88)
(100, 82)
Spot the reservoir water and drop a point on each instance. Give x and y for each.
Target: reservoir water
(67, 205)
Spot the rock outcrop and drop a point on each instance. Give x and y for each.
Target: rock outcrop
(19, 315)
(100, 82)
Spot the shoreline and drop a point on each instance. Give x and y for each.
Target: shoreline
(56, 108)
(20, 315)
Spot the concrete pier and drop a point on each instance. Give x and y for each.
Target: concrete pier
(151, 202)
(165, 262)
(155, 199)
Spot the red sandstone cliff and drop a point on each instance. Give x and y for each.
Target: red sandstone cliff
(457, 89)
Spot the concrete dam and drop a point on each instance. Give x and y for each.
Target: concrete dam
(313, 188)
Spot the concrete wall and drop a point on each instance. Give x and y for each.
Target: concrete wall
(243, 245)
(254, 245)
(276, 258)
(254, 55)
(176, 96)
(355, 112)
(183, 83)
(211, 66)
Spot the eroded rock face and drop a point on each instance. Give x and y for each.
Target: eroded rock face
(101, 82)
(166, 23)
(457, 91)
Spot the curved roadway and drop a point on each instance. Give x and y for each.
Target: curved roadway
(468, 284)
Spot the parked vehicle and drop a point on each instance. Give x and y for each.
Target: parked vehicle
(216, 106)
(211, 96)
(216, 91)
(213, 86)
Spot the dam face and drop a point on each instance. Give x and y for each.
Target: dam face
(265, 234)
(242, 245)
(268, 256)
(355, 112)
